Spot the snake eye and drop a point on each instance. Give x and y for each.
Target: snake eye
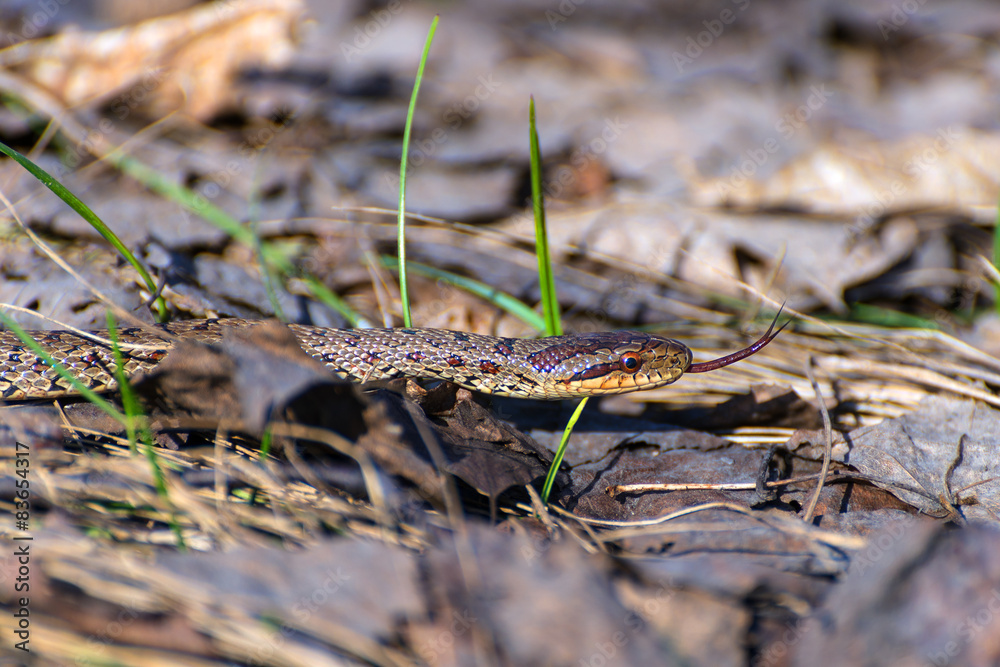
(630, 361)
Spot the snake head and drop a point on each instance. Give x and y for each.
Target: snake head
(611, 363)
(623, 361)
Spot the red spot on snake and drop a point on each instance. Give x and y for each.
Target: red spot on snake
(504, 348)
(488, 367)
(454, 362)
(416, 356)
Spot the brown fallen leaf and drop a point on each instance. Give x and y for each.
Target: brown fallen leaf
(483, 451)
(954, 169)
(181, 61)
(940, 459)
(253, 376)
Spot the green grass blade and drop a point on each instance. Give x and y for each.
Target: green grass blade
(268, 278)
(333, 300)
(550, 478)
(138, 426)
(546, 282)
(267, 273)
(129, 421)
(501, 300)
(87, 214)
(887, 317)
(129, 401)
(265, 443)
(189, 199)
(401, 233)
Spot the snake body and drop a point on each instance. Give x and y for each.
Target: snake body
(548, 368)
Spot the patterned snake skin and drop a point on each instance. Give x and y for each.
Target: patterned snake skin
(547, 368)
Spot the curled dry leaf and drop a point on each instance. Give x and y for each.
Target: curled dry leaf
(180, 61)
(954, 169)
(940, 459)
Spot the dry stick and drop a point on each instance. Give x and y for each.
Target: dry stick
(148, 303)
(220, 474)
(540, 509)
(772, 276)
(619, 489)
(303, 468)
(777, 522)
(449, 492)
(70, 427)
(827, 451)
(595, 545)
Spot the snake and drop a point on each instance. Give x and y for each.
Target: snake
(556, 367)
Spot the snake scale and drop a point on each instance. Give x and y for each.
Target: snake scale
(558, 367)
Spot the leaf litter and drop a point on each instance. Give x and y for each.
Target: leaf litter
(399, 526)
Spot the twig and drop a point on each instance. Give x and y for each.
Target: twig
(827, 451)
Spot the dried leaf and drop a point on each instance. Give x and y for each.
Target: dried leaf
(953, 169)
(186, 60)
(940, 459)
